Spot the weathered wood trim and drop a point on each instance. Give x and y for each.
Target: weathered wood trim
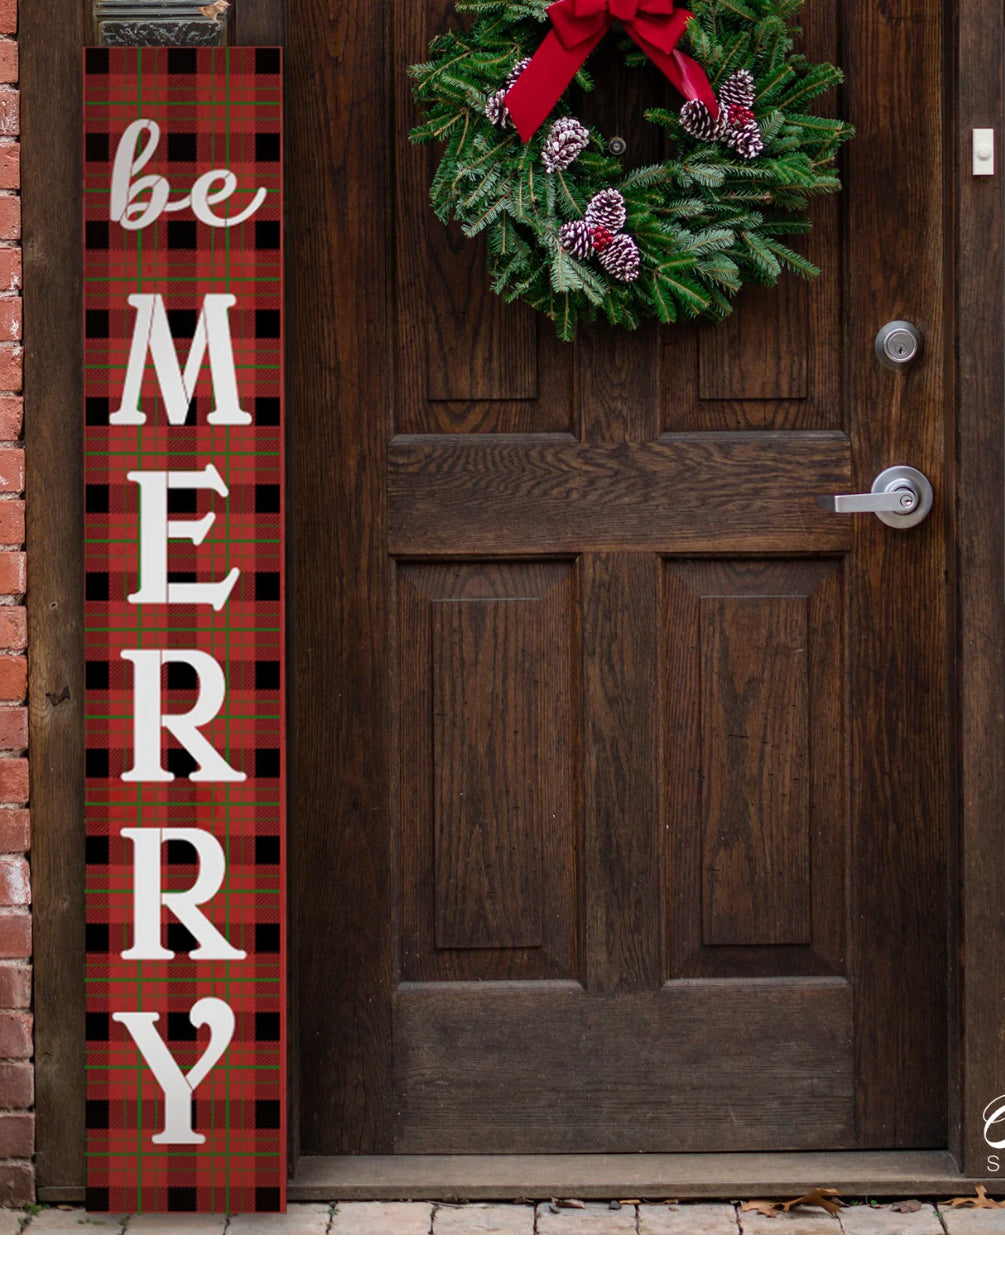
(51, 36)
(691, 1176)
(980, 552)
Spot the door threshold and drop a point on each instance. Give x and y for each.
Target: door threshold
(715, 1175)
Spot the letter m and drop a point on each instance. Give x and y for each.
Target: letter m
(152, 331)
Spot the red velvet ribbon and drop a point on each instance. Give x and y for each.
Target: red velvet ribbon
(578, 26)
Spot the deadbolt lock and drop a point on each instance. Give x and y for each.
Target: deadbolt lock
(898, 344)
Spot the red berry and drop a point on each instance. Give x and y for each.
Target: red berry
(601, 239)
(740, 115)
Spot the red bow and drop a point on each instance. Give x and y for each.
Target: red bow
(578, 26)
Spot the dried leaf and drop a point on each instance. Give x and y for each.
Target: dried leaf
(819, 1197)
(216, 9)
(980, 1200)
(562, 1203)
(767, 1208)
(629, 1201)
(908, 1206)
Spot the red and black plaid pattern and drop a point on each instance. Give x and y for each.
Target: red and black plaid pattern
(216, 108)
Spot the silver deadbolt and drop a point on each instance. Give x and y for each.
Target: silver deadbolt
(901, 497)
(898, 343)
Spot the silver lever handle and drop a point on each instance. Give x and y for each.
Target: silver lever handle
(900, 496)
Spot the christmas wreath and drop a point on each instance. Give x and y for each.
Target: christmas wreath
(571, 230)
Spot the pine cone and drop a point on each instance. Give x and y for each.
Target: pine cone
(566, 141)
(696, 118)
(606, 209)
(746, 140)
(495, 107)
(739, 89)
(576, 239)
(621, 258)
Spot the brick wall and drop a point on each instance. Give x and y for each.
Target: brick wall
(17, 1086)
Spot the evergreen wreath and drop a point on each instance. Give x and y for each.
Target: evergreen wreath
(573, 233)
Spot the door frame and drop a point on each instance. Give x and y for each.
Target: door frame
(50, 40)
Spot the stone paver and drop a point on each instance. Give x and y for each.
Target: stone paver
(595, 1218)
(974, 1221)
(483, 1219)
(75, 1221)
(10, 1221)
(800, 1221)
(395, 1217)
(687, 1219)
(863, 1219)
(176, 1224)
(299, 1219)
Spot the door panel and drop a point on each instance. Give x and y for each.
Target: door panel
(624, 817)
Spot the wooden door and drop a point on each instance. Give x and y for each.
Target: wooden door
(620, 766)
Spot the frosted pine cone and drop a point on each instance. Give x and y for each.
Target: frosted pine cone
(739, 89)
(566, 141)
(745, 140)
(696, 119)
(495, 107)
(621, 258)
(576, 239)
(606, 209)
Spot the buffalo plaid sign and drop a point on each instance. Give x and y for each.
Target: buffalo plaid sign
(186, 966)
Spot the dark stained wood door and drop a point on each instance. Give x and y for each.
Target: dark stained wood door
(620, 766)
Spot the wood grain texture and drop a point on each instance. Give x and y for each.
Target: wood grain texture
(755, 764)
(551, 1068)
(259, 22)
(723, 493)
(690, 804)
(488, 747)
(622, 846)
(51, 35)
(980, 530)
(897, 580)
(338, 348)
(685, 1176)
(428, 598)
(761, 351)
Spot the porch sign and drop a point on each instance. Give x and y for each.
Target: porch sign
(184, 639)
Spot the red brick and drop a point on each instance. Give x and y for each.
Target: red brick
(11, 458)
(13, 566)
(10, 218)
(15, 884)
(17, 1134)
(13, 729)
(17, 1183)
(13, 678)
(15, 1039)
(13, 628)
(14, 779)
(11, 418)
(8, 61)
(10, 318)
(11, 520)
(17, 1086)
(10, 267)
(8, 16)
(15, 986)
(11, 367)
(15, 940)
(10, 122)
(15, 834)
(10, 164)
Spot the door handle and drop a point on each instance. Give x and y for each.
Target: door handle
(900, 496)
